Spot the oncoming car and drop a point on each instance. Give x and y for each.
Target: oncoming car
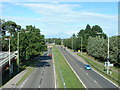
(87, 66)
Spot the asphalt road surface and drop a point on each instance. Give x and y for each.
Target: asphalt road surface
(42, 76)
(90, 78)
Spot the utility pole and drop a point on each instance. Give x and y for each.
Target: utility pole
(9, 60)
(108, 58)
(81, 45)
(72, 42)
(18, 59)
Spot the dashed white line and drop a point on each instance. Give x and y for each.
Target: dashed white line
(95, 81)
(24, 82)
(39, 86)
(105, 77)
(87, 73)
(74, 71)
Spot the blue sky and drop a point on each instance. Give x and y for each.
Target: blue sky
(62, 19)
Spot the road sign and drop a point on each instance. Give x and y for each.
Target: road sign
(111, 65)
(108, 64)
(78, 50)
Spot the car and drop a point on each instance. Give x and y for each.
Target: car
(47, 64)
(43, 64)
(50, 55)
(87, 66)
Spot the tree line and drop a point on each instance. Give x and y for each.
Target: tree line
(94, 42)
(31, 41)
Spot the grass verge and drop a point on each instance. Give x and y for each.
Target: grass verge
(70, 78)
(100, 68)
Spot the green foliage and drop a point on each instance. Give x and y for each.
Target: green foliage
(83, 35)
(57, 41)
(98, 48)
(31, 41)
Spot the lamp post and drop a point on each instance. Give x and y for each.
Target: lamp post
(108, 57)
(72, 42)
(9, 57)
(18, 61)
(108, 44)
(81, 45)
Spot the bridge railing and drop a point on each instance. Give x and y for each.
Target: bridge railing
(7, 59)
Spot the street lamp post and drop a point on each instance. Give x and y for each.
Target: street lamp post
(18, 61)
(108, 44)
(9, 57)
(108, 57)
(72, 42)
(9, 60)
(81, 45)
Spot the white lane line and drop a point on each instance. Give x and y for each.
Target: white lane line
(25, 81)
(95, 81)
(105, 77)
(54, 70)
(73, 70)
(87, 73)
(99, 73)
(21, 85)
(39, 86)
(80, 68)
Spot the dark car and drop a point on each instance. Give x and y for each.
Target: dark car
(43, 64)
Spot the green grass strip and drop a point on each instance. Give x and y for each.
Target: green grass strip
(70, 78)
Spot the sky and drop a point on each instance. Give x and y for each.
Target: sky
(61, 19)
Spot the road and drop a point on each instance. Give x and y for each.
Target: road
(41, 77)
(90, 78)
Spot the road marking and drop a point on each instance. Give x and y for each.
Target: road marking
(96, 71)
(25, 80)
(80, 68)
(105, 77)
(73, 70)
(95, 81)
(39, 86)
(21, 85)
(87, 73)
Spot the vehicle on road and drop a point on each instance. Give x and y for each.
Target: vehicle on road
(43, 64)
(87, 66)
(50, 55)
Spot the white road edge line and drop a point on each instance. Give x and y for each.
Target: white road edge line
(100, 74)
(54, 69)
(105, 77)
(24, 81)
(73, 71)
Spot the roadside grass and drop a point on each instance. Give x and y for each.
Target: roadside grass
(71, 80)
(100, 68)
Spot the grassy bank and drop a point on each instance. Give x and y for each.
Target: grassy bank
(70, 78)
(100, 68)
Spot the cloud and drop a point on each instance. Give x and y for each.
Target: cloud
(62, 20)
